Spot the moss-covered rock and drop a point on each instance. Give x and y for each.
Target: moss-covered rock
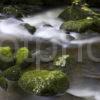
(12, 11)
(3, 83)
(82, 25)
(76, 12)
(6, 57)
(73, 13)
(44, 82)
(12, 73)
(30, 28)
(78, 25)
(21, 55)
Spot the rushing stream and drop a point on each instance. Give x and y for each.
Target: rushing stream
(48, 28)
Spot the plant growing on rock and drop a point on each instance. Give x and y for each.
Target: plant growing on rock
(78, 25)
(12, 11)
(64, 63)
(82, 25)
(6, 57)
(44, 82)
(78, 10)
(22, 56)
(37, 82)
(12, 73)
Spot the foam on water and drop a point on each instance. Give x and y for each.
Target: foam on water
(14, 27)
(49, 17)
(11, 26)
(53, 33)
(86, 93)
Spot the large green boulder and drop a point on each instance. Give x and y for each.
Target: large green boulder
(6, 58)
(44, 82)
(75, 12)
(12, 11)
(82, 25)
(78, 25)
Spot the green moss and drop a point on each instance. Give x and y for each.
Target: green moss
(73, 13)
(6, 57)
(78, 25)
(22, 55)
(44, 82)
(12, 10)
(3, 83)
(76, 12)
(12, 73)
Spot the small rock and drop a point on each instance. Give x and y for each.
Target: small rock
(30, 28)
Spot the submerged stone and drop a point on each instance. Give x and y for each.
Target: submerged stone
(44, 82)
(12, 73)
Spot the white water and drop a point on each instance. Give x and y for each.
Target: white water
(87, 93)
(13, 27)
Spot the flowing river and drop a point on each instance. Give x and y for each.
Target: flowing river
(47, 26)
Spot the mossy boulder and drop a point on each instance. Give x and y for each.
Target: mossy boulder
(6, 57)
(21, 55)
(78, 25)
(73, 13)
(3, 83)
(82, 25)
(12, 11)
(30, 28)
(44, 82)
(77, 12)
(12, 73)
